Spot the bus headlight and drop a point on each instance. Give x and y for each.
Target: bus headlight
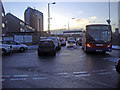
(88, 45)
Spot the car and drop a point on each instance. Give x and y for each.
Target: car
(15, 45)
(118, 66)
(79, 41)
(56, 41)
(46, 46)
(5, 49)
(43, 38)
(63, 41)
(71, 42)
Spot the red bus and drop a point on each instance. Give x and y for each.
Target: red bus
(97, 38)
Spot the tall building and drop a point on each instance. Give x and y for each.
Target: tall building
(119, 15)
(34, 18)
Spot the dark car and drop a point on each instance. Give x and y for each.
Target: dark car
(78, 41)
(56, 41)
(118, 66)
(46, 46)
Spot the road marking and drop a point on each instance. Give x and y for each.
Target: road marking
(83, 75)
(40, 78)
(20, 75)
(5, 76)
(2, 80)
(105, 73)
(13, 79)
(63, 73)
(80, 72)
(103, 70)
(114, 69)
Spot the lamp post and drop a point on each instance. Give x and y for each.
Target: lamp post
(49, 16)
(108, 21)
(68, 22)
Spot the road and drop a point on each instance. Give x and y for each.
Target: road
(70, 68)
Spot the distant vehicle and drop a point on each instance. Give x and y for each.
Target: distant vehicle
(118, 66)
(63, 41)
(71, 42)
(16, 46)
(56, 41)
(46, 46)
(97, 38)
(5, 49)
(79, 41)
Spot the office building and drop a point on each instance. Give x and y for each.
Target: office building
(34, 18)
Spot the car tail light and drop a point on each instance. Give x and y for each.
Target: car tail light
(88, 45)
(108, 45)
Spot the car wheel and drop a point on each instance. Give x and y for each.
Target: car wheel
(4, 52)
(39, 54)
(118, 69)
(54, 53)
(22, 49)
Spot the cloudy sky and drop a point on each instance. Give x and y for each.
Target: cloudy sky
(62, 12)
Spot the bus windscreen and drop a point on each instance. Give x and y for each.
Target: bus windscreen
(98, 34)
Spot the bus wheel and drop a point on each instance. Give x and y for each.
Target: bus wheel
(104, 52)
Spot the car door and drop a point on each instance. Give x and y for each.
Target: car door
(14, 44)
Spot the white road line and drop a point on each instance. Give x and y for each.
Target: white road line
(13, 79)
(63, 73)
(40, 78)
(114, 69)
(104, 73)
(103, 70)
(80, 72)
(83, 75)
(2, 80)
(5, 76)
(20, 75)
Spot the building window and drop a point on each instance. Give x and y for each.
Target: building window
(3, 25)
(21, 23)
(22, 30)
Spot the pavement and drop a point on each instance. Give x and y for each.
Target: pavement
(36, 46)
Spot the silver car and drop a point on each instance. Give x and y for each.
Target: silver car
(16, 46)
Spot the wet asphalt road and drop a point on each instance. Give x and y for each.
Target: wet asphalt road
(70, 68)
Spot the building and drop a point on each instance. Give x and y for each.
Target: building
(18, 30)
(34, 18)
(13, 25)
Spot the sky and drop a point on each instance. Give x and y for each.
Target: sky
(63, 12)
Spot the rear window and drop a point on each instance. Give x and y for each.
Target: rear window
(46, 44)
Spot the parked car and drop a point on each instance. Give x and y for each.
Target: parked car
(78, 41)
(63, 41)
(43, 38)
(5, 49)
(118, 66)
(46, 46)
(56, 41)
(71, 42)
(16, 46)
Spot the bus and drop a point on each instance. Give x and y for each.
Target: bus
(97, 38)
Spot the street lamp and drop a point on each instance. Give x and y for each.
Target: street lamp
(108, 21)
(68, 22)
(49, 16)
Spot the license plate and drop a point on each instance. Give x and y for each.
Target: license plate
(71, 44)
(99, 44)
(98, 50)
